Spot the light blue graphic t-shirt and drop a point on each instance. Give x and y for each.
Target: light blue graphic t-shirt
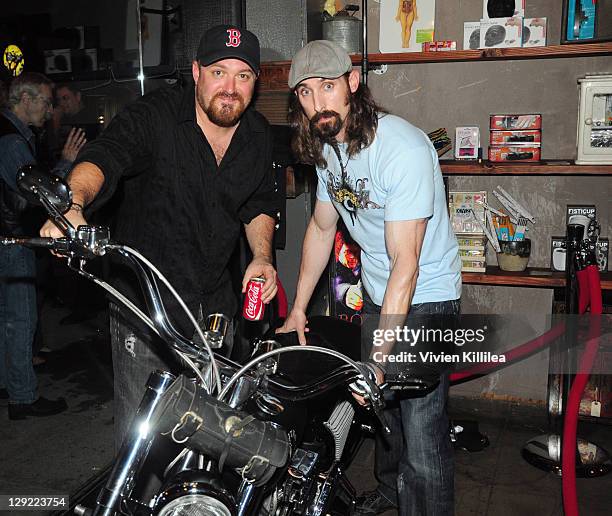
(397, 177)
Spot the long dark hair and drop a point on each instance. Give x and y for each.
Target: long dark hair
(361, 124)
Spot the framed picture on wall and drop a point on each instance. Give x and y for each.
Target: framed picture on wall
(586, 21)
(406, 24)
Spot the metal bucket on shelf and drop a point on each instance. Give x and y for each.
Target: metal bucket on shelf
(345, 31)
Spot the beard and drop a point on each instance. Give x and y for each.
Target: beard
(220, 112)
(327, 130)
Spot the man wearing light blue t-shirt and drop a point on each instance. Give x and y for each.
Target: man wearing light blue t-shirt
(382, 176)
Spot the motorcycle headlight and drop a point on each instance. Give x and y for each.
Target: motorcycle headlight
(194, 493)
(195, 505)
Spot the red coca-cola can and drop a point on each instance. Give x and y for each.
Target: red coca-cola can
(253, 309)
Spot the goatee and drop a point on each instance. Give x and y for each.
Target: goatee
(327, 130)
(222, 114)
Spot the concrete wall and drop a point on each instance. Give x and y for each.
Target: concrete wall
(453, 94)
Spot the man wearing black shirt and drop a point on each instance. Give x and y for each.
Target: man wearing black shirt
(196, 165)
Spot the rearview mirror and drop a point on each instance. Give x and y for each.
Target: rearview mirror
(43, 189)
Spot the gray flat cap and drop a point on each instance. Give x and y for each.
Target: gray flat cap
(319, 58)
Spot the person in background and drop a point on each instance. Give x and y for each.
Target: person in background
(381, 175)
(71, 112)
(29, 104)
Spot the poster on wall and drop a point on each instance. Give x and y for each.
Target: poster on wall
(346, 294)
(406, 24)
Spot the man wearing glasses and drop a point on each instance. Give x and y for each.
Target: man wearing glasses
(29, 104)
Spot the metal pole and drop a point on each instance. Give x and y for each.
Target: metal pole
(140, 62)
(364, 50)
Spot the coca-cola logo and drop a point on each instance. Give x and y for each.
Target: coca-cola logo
(252, 300)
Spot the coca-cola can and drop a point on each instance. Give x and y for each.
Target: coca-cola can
(253, 309)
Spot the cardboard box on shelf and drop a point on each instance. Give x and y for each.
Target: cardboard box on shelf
(514, 153)
(471, 35)
(467, 142)
(501, 32)
(58, 61)
(439, 46)
(558, 253)
(534, 32)
(531, 138)
(601, 252)
(515, 122)
(574, 213)
(465, 211)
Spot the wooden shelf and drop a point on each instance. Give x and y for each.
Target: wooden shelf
(550, 52)
(532, 277)
(539, 168)
(274, 74)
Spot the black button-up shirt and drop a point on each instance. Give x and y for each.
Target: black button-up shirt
(180, 209)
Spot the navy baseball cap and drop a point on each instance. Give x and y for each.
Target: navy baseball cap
(227, 42)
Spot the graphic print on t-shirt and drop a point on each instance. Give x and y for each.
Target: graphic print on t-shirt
(351, 194)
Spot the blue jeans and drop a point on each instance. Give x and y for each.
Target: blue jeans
(18, 318)
(414, 465)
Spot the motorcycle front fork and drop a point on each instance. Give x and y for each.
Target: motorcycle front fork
(134, 449)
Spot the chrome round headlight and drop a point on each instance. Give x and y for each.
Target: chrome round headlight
(194, 493)
(195, 505)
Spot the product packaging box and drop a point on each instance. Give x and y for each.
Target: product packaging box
(534, 32)
(58, 61)
(531, 138)
(471, 35)
(558, 253)
(502, 9)
(467, 142)
(473, 265)
(472, 251)
(516, 122)
(580, 213)
(602, 248)
(514, 153)
(501, 32)
(466, 211)
(439, 46)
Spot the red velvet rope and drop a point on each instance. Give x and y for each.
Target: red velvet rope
(512, 355)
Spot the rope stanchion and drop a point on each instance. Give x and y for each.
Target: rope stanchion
(589, 289)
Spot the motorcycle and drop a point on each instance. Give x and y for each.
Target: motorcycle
(271, 437)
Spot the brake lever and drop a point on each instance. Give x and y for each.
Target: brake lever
(58, 218)
(367, 388)
(377, 408)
